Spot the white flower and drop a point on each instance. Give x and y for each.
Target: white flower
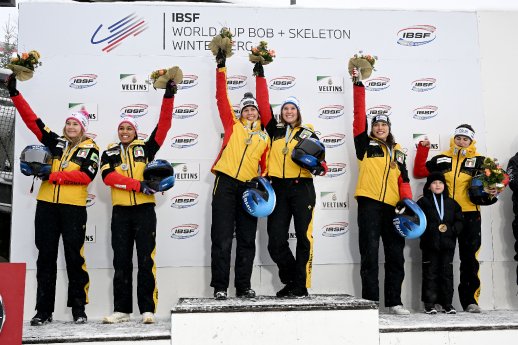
(14, 55)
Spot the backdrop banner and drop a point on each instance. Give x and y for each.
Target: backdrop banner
(100, 56)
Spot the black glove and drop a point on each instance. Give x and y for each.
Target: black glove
(11, 85)
(400, 207)
(44, 173)
(221, 58)
(318, 170)
(146, 189)
(258, 70)
(170, 89)
(153, 184)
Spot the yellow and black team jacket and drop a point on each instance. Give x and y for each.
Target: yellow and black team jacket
(245, 146)
(383, 174)
(73, 167)
(458, 164)
(123, 168)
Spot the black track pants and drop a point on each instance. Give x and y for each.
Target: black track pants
(437, 276)
(469, 246)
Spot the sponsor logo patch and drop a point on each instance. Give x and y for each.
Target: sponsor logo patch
(184, 231)
(416, 35)
(333, 140)
(184, 140)
(377, 84)
(282, 83)
(424, 84)
(134, 83)
(335, 169)
(330, 84)
(235, 82)
(184, 200)
(185, 111)
(426, 112)
(331, 111)
(113, 34)
(189, 81)
(335, 229)
(83, 81)
(134, 110)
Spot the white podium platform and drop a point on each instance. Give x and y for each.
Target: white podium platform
(318, 319)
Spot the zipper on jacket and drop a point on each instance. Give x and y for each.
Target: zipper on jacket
(131, 172)
(385, 176)
(455, 175)
(243, 157)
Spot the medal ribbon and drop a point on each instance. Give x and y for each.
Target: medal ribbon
(441, 211)
(67, 155)
(287, 136)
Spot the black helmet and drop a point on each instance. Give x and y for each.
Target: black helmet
(35, 159)
(308, 153)
(161, 172)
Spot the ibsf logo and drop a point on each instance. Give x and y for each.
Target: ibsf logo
(377, 84)
(425, 113)
(333, 140)
(181, 232)
(235, 82)
(331, 111)
(335, 169)
(416, 35)
(118, 31)
(134, 110)
(83, 81)
(282, 83)
(424, 84)
(184, 200)
(184, 140)
(335, 229)
(189, 81)
(90, 200)
(381, 109)
(185, 110)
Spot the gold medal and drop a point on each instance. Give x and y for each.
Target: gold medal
(443, 228)
(285, 150)
(124, 166)
(248, 141)
(393, 165)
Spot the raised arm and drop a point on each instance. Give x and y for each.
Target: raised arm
(420, 169)
(263, 97)
(361, 138)
(159, 134)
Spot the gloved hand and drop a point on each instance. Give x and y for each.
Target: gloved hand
(170, 89)
(44, 173)
(146, 189)
(400, 207)
(153, 184)
(221, 58)
(357, 76)
(258, 70)
(11, 85)
(318, 171)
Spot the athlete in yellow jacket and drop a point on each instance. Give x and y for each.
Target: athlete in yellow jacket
(61, 208)
(242, 157)
(382, 183)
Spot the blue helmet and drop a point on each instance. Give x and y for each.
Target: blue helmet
(35, 159)
(259, 198)
(161, 173)
(308, 153)
(411, 222)
(476, 193)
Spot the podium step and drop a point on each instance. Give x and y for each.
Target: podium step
(329, 319)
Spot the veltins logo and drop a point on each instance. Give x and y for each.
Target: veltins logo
(377, 84)
(90, 234)
(335, 169)
(434, 140)
(381, 109)
(335, 229)
(118, 31)
(416, 35)
(186, 171)
(90, 108)
(282, 83)
(235, 82)
(330, 84)
(90, 200)
(134, 110)
(184, 200)
(134, 83)
(333, 140)
(83, 81)
(332, 201)
(189, 81)
(184, 140)
(331, 111)
(425, 113)
(181, 232)
(185, 111)
(424, 84)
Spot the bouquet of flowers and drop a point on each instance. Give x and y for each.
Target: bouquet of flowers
(161, 77)
(493, 176)
(364, 64)
(222, 41)
(261, 54)
(23, 65)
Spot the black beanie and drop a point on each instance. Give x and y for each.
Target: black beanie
(435, 176)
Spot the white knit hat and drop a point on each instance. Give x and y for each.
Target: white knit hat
(248, 100)
(291, 100)
(81, 117)
(130, 120)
